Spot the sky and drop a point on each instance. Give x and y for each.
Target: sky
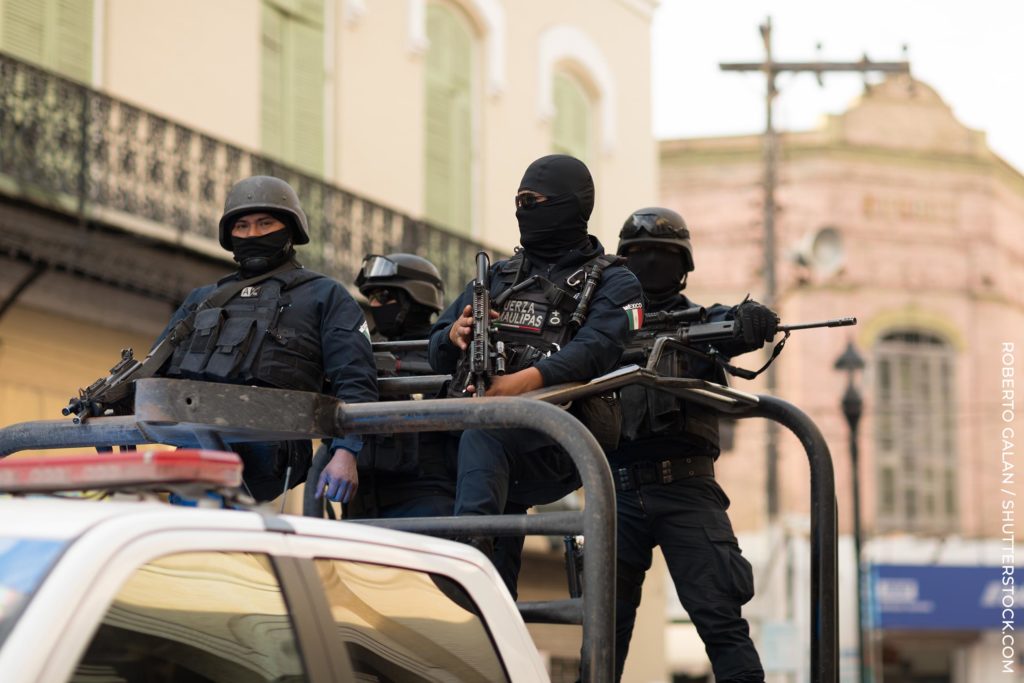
(971, 52)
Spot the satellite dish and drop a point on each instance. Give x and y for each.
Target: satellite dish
(827, 255)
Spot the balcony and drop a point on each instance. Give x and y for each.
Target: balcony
(112, 166)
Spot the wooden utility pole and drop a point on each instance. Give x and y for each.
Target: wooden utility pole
(770, 68)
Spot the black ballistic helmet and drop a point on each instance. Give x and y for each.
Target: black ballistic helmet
(263, 193)
(415, 275)
(655, 226)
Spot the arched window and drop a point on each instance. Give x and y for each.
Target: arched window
(449, 118)
(915, 432)
(573, 125)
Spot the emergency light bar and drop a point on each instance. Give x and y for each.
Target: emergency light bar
(133, 469)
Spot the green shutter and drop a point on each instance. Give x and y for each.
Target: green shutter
(306, 101)
(293, 82)
(72, 39)
(272, 86)
(55, 34)
(449, 120)
(571, 131)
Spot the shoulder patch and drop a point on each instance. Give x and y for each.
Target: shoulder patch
(365, 329)
(635, 314)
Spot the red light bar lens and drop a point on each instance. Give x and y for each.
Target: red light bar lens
(93, 471)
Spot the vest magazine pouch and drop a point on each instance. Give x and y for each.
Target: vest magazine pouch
(602, 415)
(232, 346)
(203, 340)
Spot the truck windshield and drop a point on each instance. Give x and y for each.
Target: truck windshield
(23, 566)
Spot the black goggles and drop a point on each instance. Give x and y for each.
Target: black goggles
(655, 226)
(375, 267)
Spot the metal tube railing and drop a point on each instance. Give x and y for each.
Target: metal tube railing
(180, 412)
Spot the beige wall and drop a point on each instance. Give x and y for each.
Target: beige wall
(194, 61)
(199, 63)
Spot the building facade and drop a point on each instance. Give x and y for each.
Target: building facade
(898, 214)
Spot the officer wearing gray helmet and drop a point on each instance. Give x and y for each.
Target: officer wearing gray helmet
(663, 468)
(291, 328)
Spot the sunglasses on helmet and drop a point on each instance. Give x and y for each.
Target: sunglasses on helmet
(655, 226)
(376, 266)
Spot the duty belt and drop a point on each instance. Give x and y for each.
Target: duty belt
(636, 474)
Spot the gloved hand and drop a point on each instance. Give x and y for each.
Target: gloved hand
(340, 477)
(758, 323)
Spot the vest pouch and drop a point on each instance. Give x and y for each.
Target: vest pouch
(202, 341)
(602, 415)
(232, 346)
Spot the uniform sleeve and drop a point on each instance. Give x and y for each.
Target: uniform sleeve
(347, 355)
(442, 354)
(596, 349)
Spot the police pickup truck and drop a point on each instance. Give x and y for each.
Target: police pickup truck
(130, 588)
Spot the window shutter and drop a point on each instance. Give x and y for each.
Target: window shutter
(571, 133)
(293, 82)
(72, 39)
(449, 120)
(272, 93)
(24, 29)
(305, 105)
(55, 34)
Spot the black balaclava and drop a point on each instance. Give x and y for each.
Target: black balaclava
(389, 319)
(660, 272)
(256, 255)
(553, 227)
(401, 317)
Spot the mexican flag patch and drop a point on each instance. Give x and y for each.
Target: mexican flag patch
(635, 314)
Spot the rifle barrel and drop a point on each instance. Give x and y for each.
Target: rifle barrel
(836, 322)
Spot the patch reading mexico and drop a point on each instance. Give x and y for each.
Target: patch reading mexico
(527, 316)
(635, 313)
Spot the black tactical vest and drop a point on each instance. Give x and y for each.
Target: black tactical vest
(647, 412)
(534, 322)
(252, 340)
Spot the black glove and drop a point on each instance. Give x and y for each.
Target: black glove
(758, 323)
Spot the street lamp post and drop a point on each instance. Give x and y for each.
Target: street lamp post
(853, 407)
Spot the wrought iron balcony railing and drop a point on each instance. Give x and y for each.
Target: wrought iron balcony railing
(66, 146)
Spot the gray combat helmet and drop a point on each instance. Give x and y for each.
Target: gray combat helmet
(656, 226)
(415, 275)
(263, 193)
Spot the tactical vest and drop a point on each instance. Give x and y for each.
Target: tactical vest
(535, 321)
(417, 454)
(245, 341)
(647, 412)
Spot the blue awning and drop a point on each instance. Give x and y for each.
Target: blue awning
(937, 597)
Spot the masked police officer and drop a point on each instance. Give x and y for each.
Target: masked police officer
(535, 294)
(666, 493)
(404, 475)
(288, 328)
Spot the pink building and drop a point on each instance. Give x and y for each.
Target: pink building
(898, 214)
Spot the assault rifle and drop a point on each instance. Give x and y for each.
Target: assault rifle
(485, 358)
(102, 396)
(685, 328)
